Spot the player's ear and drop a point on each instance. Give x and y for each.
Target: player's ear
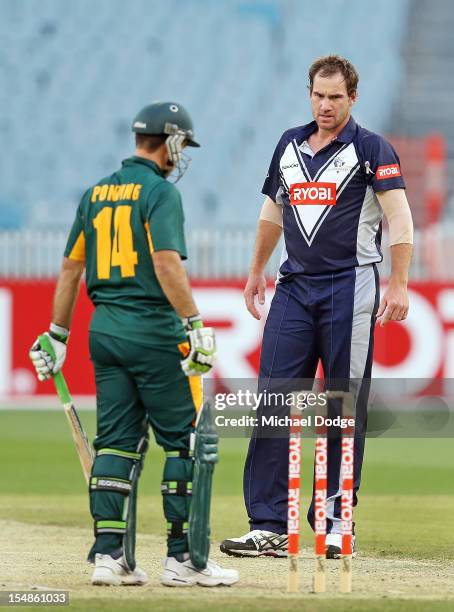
(353, 97)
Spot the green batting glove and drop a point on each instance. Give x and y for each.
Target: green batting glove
(202, 347)
(47, 364)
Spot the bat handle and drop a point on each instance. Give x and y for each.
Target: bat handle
(62, 388)
(59, 379)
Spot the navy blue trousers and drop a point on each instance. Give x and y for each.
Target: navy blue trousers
(327, 317)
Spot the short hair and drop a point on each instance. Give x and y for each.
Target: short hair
(328, 65)
(150, 142)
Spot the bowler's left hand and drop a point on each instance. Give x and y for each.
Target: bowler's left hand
(394, 304)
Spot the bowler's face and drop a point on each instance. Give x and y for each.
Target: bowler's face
(330, 102)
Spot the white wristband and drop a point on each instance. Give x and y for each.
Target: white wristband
(57, 329)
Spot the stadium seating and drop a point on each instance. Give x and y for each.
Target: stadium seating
(76, 72)
(428, 54)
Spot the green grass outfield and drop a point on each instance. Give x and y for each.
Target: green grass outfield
(406, 505)
(226, 604)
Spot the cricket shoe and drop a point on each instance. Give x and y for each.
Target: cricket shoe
(257, 543)
(334, 546)
(111, 572)
(184, 574)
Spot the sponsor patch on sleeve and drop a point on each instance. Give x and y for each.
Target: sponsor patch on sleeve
(387, 172)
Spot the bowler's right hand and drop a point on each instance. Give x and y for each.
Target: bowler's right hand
(256, 285)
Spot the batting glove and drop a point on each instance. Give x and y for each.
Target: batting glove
(202, 347)
(48, 364)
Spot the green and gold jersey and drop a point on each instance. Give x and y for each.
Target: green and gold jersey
(119, 223)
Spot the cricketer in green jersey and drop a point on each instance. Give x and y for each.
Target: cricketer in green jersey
(148, 345)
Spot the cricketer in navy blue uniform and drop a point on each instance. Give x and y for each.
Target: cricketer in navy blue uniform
(327, 293)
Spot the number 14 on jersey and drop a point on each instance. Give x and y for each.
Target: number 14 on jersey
(118, 251)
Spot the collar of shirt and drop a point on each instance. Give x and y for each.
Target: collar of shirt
(135, 159)
(345, 136)
(305, 147)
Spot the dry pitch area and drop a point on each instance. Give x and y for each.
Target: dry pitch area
(52, 557)
(405, 526)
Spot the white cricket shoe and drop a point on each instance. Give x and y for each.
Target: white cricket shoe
(334, 546)
(257, 543)
(184, 574)
(111, 572)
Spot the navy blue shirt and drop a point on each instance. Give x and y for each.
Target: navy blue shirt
(331, 214)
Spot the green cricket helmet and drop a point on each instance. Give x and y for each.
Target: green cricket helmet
(165, 118)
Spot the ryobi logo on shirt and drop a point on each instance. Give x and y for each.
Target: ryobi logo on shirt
(389, 171)
(313, 193)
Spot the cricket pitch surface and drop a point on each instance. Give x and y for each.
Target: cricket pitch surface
(52, 557)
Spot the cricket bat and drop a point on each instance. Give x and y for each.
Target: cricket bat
(84, 449)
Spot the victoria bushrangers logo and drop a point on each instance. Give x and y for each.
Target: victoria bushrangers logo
(341, 166)
(313, 193)
(389, 171)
